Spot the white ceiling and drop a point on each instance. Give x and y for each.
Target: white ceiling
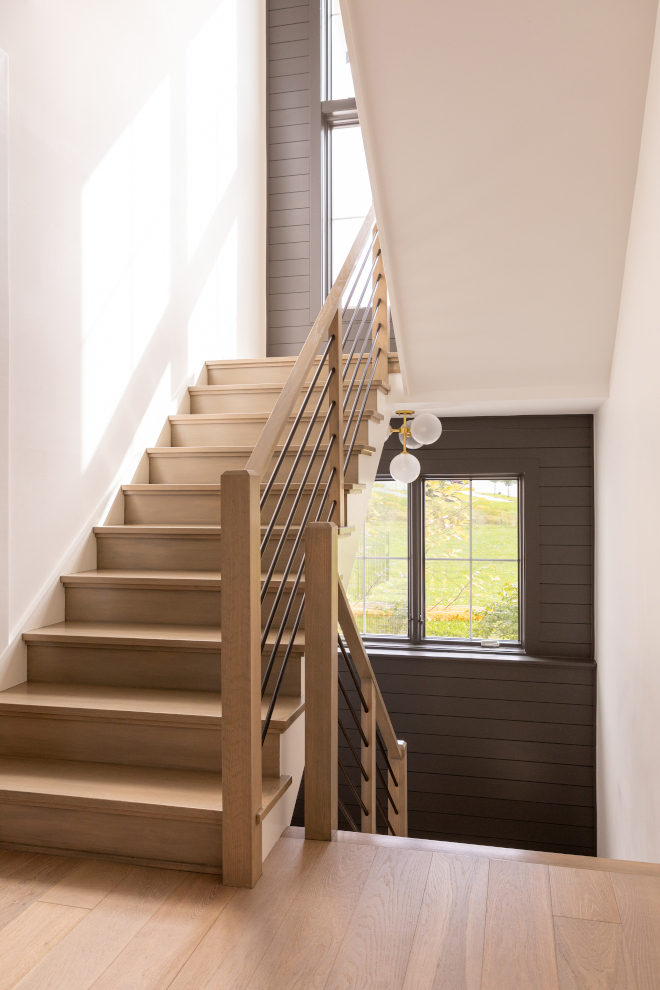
(502, 138)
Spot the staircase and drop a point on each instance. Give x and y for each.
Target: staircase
(113, 747)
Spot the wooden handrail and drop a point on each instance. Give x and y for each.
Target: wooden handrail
(366, 671)
(262, 455)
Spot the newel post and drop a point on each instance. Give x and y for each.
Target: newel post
(321, 680)
(241, 678)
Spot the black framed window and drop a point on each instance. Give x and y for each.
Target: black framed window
(469, 553)
(439, 561)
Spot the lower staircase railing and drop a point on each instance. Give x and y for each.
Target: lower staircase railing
(275, 578)
(329, 610)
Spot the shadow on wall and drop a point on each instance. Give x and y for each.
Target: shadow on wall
(160, 265)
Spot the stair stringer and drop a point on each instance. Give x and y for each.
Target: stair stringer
(358, 502)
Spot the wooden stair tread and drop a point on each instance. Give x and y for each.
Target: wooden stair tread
(147, 790)
(266, 387)
(189, 529)
(258, 417)
(361, 448)
(157, 489)
(283, 361)
(111, 578)
(144, 635)
(151, 704)
(159, 529)
(115, 578)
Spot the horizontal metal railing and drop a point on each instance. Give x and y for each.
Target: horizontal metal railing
(308, 457)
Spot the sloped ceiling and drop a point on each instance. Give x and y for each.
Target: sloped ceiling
(502, 138)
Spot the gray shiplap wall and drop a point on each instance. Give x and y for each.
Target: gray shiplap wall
(294, 262)
(295, 154)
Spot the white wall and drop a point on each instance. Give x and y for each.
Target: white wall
(137, 188)
(628, 534)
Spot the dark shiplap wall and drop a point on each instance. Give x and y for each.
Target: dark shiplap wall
(294, 267)
(500, 752)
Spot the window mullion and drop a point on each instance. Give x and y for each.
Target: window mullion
(470, 559)
(416, 554)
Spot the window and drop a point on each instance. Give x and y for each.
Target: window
(340, 78)
(347, 189)
(378, 589)
(350, 197)
(471, 559)
(440, 561)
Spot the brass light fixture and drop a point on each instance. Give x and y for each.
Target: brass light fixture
(426, 428)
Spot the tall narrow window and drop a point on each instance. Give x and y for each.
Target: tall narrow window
(340, 81)
(378, 589)
(347, 188)
(471, 559)
(351, 191)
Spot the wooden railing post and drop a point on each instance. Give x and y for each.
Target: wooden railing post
(321, 685)
(336, 394)
(368, 756)
(241, 678)
(380, 309)
(399, 821)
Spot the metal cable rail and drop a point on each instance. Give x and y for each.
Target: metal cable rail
(344, 652)
(306, 455)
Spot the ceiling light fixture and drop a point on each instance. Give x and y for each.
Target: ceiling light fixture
(425, 428)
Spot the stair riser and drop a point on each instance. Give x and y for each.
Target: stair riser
(256, 402)
(165, 842)
(185, 670)
(201, 434)
(172, 553)
(183, 468)
(195, 607)
(103, 740)
(155, 508)
(256, 374)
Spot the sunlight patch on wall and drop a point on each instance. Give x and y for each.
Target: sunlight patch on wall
(151, 424)
(212, 330)
(212, 118)
(125, 261)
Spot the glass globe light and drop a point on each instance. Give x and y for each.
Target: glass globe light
(404, 468)
(410, 443)
(425, 428)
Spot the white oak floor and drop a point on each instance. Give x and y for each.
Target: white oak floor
(360, 912)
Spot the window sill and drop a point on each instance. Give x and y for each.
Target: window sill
(381, 646)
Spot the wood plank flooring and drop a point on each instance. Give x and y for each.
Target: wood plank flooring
(360, 913)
